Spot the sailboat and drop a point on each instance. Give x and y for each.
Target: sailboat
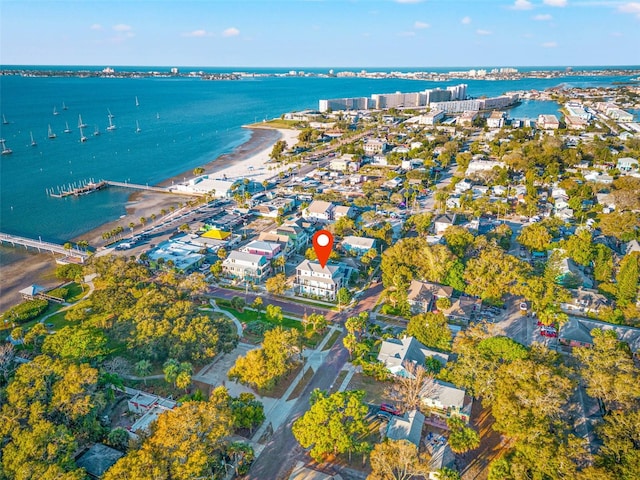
(82, 137)
(4, 120)
(80, 124)
(157, 116)
(111, 125)
(33, 142)
(138, 127)
(67, 129)
(51, 135)
(111, 115)
(64, 107)
(5, 149)
(137, 103)
(96, 132)
(55, 110)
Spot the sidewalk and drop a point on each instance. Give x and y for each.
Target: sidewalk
(279, 412)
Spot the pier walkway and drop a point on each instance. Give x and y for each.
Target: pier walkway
(136, 186)
(41, 246)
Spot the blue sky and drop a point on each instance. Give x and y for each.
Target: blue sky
(320, 33)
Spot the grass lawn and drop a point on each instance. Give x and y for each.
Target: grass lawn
(247, 316)
(338, 381)
(52, 308)
(277, 123)
(375, 390)
(278, 390)
(76, 292)
(332, 339)
(306, 378)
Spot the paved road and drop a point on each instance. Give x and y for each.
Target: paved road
(282, 450)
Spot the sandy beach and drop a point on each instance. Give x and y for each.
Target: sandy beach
(21, 268)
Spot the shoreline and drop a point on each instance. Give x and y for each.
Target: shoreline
(22, 268)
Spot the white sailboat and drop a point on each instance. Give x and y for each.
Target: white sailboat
(67, 129)
(64, 107)
(5, 150)
(111, 115)
(51, 135)
(33, 142)
(80, 124)
(82, 137)
(96, 132)
(111, 125)
(137, 102)
(4, 120)
(138, 130)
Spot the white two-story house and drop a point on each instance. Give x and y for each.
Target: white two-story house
(246, 266)
(312, 279)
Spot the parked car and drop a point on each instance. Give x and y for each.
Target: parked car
(385, 407)
(523, 306)
(383, 415)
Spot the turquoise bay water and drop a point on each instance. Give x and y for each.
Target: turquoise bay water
(184, 123)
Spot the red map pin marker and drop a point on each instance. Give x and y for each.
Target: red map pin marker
(323, 245)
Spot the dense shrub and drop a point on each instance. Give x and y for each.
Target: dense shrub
(26, 311)
(70, 271)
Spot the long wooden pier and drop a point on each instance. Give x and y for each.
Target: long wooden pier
(89, 186)
(136, 186)
(43, 246)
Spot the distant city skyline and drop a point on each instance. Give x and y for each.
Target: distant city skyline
(320, 33)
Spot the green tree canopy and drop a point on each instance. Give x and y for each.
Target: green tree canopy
(334, 424)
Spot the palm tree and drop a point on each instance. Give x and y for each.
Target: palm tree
(131, 227)
(143, 368)
(143, 220)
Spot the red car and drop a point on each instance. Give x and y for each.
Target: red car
(548, 332)
(385, 407)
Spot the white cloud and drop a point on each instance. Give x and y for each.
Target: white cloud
(555, 3)
(96, 26)
(543, 17)
(631, 7)
(466, 20)
(549, 45)
(197, 33)
(616, 34)
(121, 27)
(484, 32)
(522, 5)
(123, 33)
(231, 32)
(421, 25)
(406, 34)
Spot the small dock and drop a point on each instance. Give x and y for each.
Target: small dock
(76, 189)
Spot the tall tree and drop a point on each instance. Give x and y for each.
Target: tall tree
(409, 390)
(431, 329)
(535, 237)
(334, 424)
(398, 460)
(627, 279)
(609, 371)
